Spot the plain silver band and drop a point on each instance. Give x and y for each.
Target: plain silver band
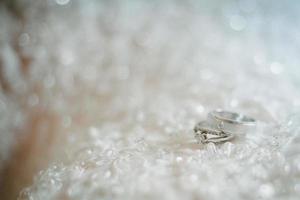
(231, 121)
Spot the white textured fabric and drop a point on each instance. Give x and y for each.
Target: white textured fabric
(129, 81)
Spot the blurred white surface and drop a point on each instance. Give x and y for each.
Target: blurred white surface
(141, 75)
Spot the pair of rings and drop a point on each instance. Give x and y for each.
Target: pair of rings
(222, 126)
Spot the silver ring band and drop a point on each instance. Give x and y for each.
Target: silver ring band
(231, 121)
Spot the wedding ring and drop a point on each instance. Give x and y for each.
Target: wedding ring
(205, 134)
(230, 121)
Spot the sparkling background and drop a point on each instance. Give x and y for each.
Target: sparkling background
(111, 91)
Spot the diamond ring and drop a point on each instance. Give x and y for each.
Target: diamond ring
(205, 134)
(222, 126)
